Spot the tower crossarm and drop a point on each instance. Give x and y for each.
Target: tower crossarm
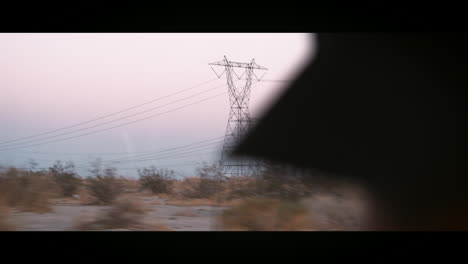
(239, 65)
(251, 65)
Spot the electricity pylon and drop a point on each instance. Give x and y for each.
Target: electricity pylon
(239, 121)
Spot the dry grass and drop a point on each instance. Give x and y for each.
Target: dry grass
(195, 191)
(147, 198)
(65, 177)
(123, 214)
(84, 197)
(38, 197)
(104, 189)
(265, 214)
(197, 188)
(156, 180)
(240, 188)
(5, 225)
(130, 185)
(28, 191)
(211, 188)
(186, 188)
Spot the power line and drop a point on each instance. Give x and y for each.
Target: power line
(165, 165)
(117, 119)
(23, 157)
(184, 147)
(171, 155)
(78, 154)
(149, 154)
(176, 156)
(152, 154)
(109, 115)
(131, 122)
(162, 155)
(122, 153)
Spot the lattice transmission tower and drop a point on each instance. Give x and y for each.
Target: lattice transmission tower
(239, 120)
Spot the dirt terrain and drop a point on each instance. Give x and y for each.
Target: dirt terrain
(66, 215)
(329, 212)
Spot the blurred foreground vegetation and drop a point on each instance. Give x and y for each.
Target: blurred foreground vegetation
(270, 200)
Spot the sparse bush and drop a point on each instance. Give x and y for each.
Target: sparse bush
(103, 185)
(186, 188)
(28, 190)
(38, 191)
(212, 180)
(122, 214)
(130, 185)
(65, 176)
(84, 194)
(210, 183)
(266, 214)
(240, 188)
(275, 181)
(208, 188)
(4, 224)
(104, 189)
(158, 181)
(11, 186)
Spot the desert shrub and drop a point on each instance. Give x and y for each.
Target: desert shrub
(212, 180)
(122, 214)
(266, 214)
(28, 190)
(208, 188)
(130, 185)
(209, 183)
(65, 177)
(240, 188)
(39, 189)
(11, 185)
(104, 189)
(186, 188)
(103, 185)
(158, 181)
(5, 225)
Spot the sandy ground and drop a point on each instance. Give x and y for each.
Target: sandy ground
(330, 212)
(65, 216)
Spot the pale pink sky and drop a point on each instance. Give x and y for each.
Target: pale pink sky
(50, 81)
